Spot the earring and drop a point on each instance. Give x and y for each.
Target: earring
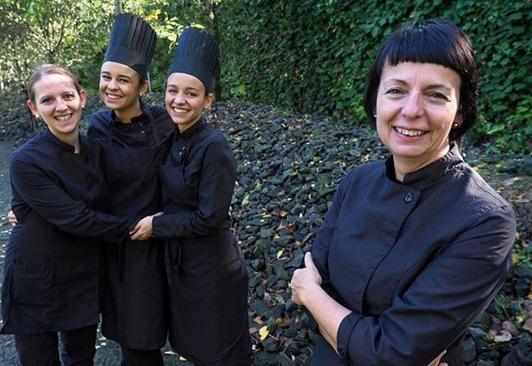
(454, 125)
(37, 116)
(375, 115)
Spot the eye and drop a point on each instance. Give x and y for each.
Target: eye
(191, 94)
(123, 80)
(106, 77)
(438, 95)
(171, 91)
(69, 96)
(393, 91)
(46, 100)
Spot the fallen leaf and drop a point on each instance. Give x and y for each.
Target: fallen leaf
(528, 325)
(263, 332)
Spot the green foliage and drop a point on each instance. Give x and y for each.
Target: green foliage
(48, 31)
(74, 34)
(307, 56)
(313, 56)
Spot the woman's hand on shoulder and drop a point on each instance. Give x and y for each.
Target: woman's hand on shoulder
(304, 281)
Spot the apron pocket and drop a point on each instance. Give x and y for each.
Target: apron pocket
(32, 284)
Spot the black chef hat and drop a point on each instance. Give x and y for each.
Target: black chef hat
(197, 55)
(132, 43)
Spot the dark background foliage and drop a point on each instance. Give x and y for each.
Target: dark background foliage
(313, 56)
(305, 56)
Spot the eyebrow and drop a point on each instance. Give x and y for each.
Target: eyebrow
(119, 75)
(186, 89)
(430, 86)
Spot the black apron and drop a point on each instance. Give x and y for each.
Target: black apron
(134, 302)
(208, 286)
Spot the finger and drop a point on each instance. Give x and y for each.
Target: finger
(309, 263)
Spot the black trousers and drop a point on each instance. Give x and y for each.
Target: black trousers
(76, 348)
(137, 357)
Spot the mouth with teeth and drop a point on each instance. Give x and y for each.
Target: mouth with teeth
(409, 133)
(179, 110)
(64, 117)
(113, 97)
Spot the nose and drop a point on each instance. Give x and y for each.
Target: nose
(61, 105)
(111, 84)
(413, 106)
(178, 99)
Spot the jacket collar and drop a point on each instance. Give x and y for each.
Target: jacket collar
(429, 174)
(192, 130)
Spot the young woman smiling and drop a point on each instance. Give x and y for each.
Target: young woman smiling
(135, 138)
(206, 271)
(52, 272)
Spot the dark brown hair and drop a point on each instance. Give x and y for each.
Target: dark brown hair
(435, 41)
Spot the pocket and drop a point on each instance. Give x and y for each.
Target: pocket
(32, 284)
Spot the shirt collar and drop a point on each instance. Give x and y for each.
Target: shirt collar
(56, 142)
(143, 117)
(192, 130)
(429, 174)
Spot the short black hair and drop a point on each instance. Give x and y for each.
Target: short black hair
(435, 41)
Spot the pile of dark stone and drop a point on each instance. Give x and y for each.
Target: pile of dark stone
(289, 168)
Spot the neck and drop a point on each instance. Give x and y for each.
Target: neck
(404, 166)
(183, 127)
(125, 116)
(71, 139)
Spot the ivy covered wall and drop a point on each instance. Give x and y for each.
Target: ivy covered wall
(312, 56)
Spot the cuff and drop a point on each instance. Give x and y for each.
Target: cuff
(156, 226)
(343, 336)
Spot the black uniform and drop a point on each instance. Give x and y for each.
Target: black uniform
(206, 270)
(416, 280)
(134, 307)
(51, 273)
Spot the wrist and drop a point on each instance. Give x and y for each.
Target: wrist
(310, 293)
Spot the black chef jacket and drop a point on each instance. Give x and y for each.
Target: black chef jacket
(51, 272)
(416, 262)
(207, 274)
(134, 306)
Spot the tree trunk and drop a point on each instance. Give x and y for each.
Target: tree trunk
(211, 7)
(117, 6)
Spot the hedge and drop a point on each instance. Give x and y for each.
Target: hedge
(313, 56)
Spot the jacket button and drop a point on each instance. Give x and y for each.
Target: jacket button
(409, 197)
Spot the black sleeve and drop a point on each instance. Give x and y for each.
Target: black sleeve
(217, 181)
(46, 197)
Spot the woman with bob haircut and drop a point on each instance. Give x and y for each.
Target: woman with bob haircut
(415, 247)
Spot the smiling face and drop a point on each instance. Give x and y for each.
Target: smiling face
(417, 104)
(57, 100)
(120, 89)
(185, 99)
